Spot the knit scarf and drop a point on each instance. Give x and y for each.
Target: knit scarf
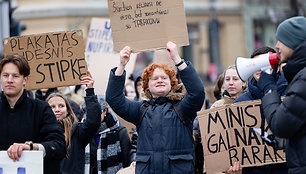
(109, 152)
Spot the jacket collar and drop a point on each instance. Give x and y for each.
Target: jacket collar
(19, 101)
(253, 88)
(177, 95)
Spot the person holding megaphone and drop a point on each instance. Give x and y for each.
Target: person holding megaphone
(287, 118)
(254, 93)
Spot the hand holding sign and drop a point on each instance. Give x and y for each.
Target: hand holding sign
(125, 54)
(235, 168)
(174, 55)
(15, 150)
(88, 81)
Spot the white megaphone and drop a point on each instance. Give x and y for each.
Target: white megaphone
(247, 66)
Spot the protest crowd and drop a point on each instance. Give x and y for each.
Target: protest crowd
(81, 132)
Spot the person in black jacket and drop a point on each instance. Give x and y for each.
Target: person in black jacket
(287, 118)
(254, 93)
(110, 149)
(77, 135)
(25, 119)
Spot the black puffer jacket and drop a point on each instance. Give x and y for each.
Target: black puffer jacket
(287, 119)
(164, 144)
(81, 135)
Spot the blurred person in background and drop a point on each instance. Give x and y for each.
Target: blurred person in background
(233, 87)
(77, 134)
(110, 149)
(26, 123)
(129, 91)
(138, 86)
(218, 87)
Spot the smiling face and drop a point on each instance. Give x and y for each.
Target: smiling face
(284, 51)
(232, 83)
(159, 83)
(12, 81)
(59, 107)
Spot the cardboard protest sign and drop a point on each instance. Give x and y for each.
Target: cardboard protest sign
(56, 59)
(147, 25)
(30, 162)
(227, 136)
(100, 54)
(130, 127)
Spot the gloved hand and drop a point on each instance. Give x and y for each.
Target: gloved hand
(268, 81)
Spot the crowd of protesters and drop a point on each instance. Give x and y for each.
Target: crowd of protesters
(79, 134)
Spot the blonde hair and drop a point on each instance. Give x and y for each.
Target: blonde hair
(67, 122)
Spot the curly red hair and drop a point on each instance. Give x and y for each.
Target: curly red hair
(148, 72)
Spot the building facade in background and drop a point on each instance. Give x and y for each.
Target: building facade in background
(219, 30)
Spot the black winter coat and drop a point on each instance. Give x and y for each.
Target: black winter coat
(287, 119)
(125, 146)
(81, 135)
(254, 93)
(32, 120)
(164, 144)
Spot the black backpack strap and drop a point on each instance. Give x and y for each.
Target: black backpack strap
(142, 111)
(179, 113)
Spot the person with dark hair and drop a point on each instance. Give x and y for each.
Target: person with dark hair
(110, 149)
(138, 86)
(23, 119)
(165, 142)
(77, 135)
(254, 93)
(218, 87)
(287, 118)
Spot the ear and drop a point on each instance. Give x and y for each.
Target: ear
(244, 85)
(25, 80)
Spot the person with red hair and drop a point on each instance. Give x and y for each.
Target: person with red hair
(165, 142)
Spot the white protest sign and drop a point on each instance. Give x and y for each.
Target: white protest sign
(100, 54)
(30, 162)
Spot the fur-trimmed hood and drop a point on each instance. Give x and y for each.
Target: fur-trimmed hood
(177, 95)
